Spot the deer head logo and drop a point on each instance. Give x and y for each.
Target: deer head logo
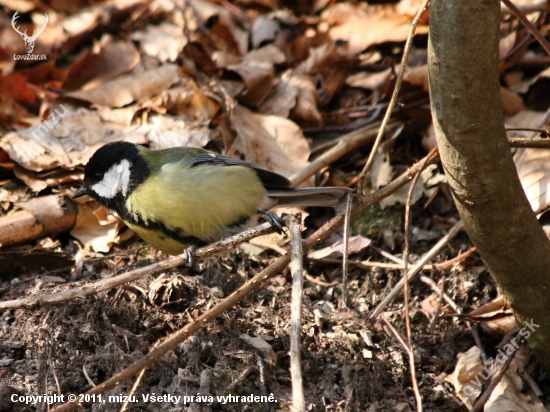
(29, 40)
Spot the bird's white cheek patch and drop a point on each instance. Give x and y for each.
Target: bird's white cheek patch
(116, 180)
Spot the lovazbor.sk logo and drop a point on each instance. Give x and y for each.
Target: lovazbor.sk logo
(30, 41)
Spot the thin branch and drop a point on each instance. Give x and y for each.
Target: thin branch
(528, 8)
(410, 353)
(530, 26)
(48, 299)
(346, 144)
(395, 94)
(296, 268)
(494, 382)
(345, 256)
(454, 306)
(417, 268)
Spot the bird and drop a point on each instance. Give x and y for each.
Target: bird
(181, 198)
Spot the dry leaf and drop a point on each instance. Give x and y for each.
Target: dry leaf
(258, 79)
(417, 76)
(356, 245)
(533, 168)
(274, 142)
(366, 31)
(131, 88)
(370, 81)
(164, 41)
(495, 308)
(269, 53)
(512, 103)
(466, 378)
(65, 141)
(427, 180)
(508, 396)
(95, 227)
(282, 97)
(207, 10)
(265, 348)
(306, 110)
(94, 69)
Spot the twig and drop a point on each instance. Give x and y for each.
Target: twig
(261, 372)
(346, 144)
(205, 388)
(296, 268)
(433, 322)
(410, 353)
(239, 379)
(545, 132)
(528, 8)
(345, 255)
(530, 26)
(395, 93)
(109, 283)
(536, 143)
(398, 337)
(126, 405)
(387, 255)
(90, 381)
(457, 310)
(494, 382)
(417, 268)
(367, 264)
(320, 282)
(532, 384)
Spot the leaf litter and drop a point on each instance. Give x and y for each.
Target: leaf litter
(271, 85)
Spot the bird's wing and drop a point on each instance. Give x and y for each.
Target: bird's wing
(270, 180)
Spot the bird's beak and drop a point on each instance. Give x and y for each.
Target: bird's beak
(81, 191)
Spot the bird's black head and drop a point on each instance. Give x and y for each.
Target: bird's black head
(112, 173)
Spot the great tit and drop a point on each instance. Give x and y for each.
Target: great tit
(181, 197)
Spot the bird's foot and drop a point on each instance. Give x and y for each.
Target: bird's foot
(275, 221)
(190, 255)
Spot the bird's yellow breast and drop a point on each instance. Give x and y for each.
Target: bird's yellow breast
(199, 202)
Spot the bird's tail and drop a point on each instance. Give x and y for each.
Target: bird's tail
(311, 196)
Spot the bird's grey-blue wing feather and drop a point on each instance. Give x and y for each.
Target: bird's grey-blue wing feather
(271, 180)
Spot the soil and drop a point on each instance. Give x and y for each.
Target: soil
(348, 363)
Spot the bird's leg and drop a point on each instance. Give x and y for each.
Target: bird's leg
(275, 220)
(190, 255)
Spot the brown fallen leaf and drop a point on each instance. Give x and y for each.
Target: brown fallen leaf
(306, 110)
(96, 68)
(258, 79)
(468, 369)
(491, 310)
(131, 88)
(534, 173)
(508, 394)
(369, 80)
(356, 244)
(95, 227)
(164, 41)
(362, 32)
(274, 142)
(282, 97)
(64, 141)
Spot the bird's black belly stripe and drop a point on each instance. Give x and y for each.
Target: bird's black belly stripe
(175, 234)
(239, 222)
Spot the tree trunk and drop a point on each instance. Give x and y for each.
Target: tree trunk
(469, 125)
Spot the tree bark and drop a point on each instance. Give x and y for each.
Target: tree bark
(469, 125)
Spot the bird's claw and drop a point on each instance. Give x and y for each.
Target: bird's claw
(190, 255)
(275, 221)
